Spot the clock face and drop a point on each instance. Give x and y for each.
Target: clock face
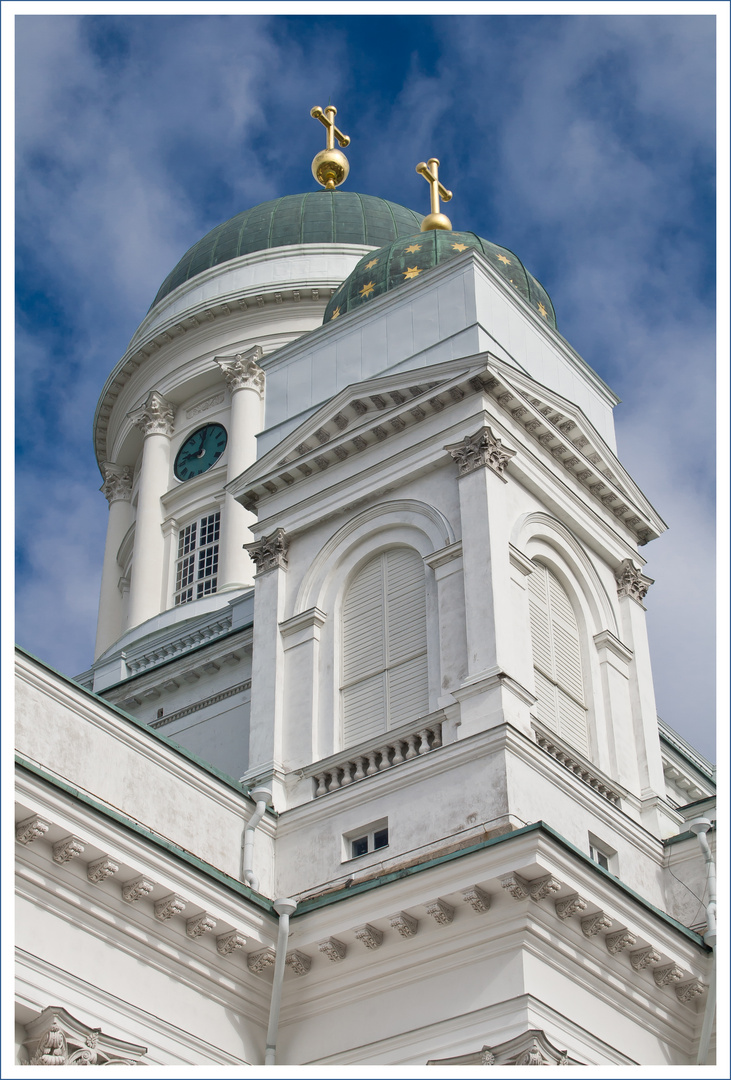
(200, 451)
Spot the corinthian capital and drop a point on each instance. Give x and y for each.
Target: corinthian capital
(481, 450)
(155, 417)
(242, 371)
(117, 482)
(630, 582)
(269, 552)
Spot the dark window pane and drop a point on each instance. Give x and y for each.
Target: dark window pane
(380, 839)
(359, 847)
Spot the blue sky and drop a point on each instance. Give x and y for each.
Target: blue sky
(584, 142)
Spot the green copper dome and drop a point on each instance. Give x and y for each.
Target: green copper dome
(317, 217)
(407, 257)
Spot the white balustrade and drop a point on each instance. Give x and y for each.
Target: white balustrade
(389, 753)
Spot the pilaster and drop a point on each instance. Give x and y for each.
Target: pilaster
(303, 742)
(269, 555)
(632, 587)
(448, 569)
(485, 694)
(155, 421)
(615, 660)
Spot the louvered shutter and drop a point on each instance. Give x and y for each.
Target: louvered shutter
(557, 658)
(384, 661)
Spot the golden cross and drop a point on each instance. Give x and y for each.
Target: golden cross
(430, 173)
(327, 117)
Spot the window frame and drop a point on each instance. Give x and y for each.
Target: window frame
(202, 559)
(600, 852)
(389, 670)
(367, 833)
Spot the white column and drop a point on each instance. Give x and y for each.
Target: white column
(117, 487)
(155, 421)
(267, 669)
(632, 588)
(303, 742)
(481, 459)
(245, 381)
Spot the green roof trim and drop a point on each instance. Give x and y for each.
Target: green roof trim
(314, 217)
(229, 781)
(180, 656)
(406, 258)
(237, 887)
(537, 826)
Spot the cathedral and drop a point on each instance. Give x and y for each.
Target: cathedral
(367, 769)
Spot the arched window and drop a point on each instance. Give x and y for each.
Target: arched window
(384, 679)
(557, 659)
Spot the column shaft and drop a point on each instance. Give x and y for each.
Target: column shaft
(110, 623)
(147, 596)
(246, 383)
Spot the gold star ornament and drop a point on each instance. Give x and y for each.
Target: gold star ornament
(542, 311)
(504, 259)
(367, 289)
(412, 248)
(371, 264)
(459, 247)
(335, 313)
(412, 272)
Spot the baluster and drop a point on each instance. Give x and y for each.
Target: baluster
(372, 768)
(359, 773)
(347, 778)
(437, 740)
(334, 781)
(398, 757)
(424, 744)
(411, 747)
(321, 785)
(384, 763)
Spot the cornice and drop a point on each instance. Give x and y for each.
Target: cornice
(226, 309)
(366, 414)
(44, 973)
(433, 279)
(132, 847)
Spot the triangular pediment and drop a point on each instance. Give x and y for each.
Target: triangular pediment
(566, 433)
(361, 415)
(370, 412)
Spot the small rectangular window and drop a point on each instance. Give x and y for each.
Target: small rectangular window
(363, 841)
(602, 854)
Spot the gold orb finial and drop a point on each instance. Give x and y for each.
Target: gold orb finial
(330, 168)
(435, 220)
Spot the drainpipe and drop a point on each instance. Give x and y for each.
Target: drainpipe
(262, 797)
(284, 908)
(700, 827)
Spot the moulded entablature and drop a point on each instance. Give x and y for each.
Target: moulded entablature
(269, 298)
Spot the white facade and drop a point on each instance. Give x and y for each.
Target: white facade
(438, 666)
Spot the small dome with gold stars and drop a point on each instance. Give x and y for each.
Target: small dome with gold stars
(408, 257)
